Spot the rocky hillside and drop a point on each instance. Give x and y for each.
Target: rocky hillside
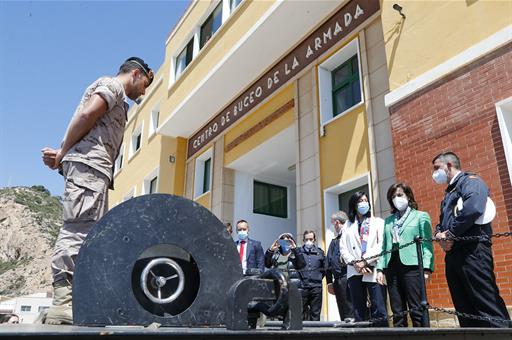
(30, 219)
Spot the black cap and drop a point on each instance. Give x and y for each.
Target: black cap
(143, 67)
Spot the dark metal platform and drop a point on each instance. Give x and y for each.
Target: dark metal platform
(29, 332)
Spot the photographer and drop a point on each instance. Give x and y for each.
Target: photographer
(284, 255)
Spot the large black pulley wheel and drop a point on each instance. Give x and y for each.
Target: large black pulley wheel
(155, 258)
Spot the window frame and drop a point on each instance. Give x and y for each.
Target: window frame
(231, 7)
(152, 175)
(155, 181)
(154, 120)
(118, 163)
(136, 135)
(188, 48)
(219, 9)
(207, 174)
(325, 82)
(199, 173)
(347, 82)
(504, 113)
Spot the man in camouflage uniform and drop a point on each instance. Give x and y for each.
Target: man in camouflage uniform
(86, 160)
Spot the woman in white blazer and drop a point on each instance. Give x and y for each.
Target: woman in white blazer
(363, 239)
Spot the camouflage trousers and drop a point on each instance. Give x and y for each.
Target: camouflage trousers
(84, 203)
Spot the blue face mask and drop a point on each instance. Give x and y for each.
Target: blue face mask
(363, 208)
(242, 235)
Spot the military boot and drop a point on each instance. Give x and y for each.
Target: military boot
(61, 312)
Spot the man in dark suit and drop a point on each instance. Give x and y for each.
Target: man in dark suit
(250, 251)
(469, 265)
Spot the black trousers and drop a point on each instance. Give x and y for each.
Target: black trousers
(470, 276)
(404, 291)
(360, 291)
(311, 303)
(343, 299)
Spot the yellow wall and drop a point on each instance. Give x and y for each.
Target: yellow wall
(248, 13)
(204, 200)
(254, 118)
(172, 175)
(344, 150)
(435, 31)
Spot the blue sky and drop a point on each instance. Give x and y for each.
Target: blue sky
(50, 51)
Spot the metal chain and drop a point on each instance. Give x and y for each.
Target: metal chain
(443, 310)
(430, 307)
(460, 238)
(468, 316)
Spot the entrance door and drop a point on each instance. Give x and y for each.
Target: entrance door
(264, 188)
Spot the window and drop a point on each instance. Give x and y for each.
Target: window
(270, 199)
(136, 141)
(26, 308)
(346, 91)
(339, 81)
(119, 160)
(184, 58)
(153, 124)
(42, 308)
(152, 185)
(203, 173)
(206, 175)
(211, 25)
(234, 4)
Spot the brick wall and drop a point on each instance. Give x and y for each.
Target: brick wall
(458, 113)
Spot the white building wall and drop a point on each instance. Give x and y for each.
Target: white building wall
(35, 301)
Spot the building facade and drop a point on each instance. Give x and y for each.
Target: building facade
(458, 98)
(27, 307)
(276, 112)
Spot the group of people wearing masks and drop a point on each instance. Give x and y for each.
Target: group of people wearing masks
(369, 258)
(358, 235)
(302, 266)
(362, 237)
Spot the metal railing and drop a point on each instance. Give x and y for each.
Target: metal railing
(425, 305)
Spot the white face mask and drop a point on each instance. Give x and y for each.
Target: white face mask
(308, 244)
(401, 203)
(440, 177)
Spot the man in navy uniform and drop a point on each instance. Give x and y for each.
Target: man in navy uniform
(311, 277)
(250, 251)
(469, 264)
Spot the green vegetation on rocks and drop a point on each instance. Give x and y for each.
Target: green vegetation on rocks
(45, 208)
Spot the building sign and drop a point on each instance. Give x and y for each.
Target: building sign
(332, 31)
